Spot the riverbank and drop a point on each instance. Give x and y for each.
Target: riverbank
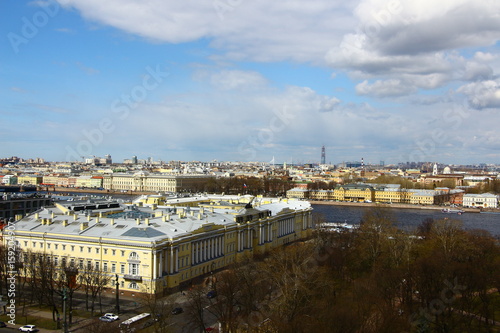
(393, 205)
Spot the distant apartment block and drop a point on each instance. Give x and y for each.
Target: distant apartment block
(389, 193)
(144, 182)
(485, 200)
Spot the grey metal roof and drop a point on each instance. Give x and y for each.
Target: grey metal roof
(143, 232)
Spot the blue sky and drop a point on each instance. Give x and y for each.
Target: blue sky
(248, 80)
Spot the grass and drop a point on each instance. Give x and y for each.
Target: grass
(33, 320)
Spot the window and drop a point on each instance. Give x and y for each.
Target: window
(89, 265)
(97, 265)
(123, 253)
(114, 252)
(89, 249)
(72, 262)
(113, 268)
(133, 256)
(63, 261)
(97, 250)
(105, 267)
(48, 245)
(56, 246)
(133, 285)
(122, 284)
(133, 269)
(105, 251)
(81, 264)
(56, 261)
(81, 248)
(122, 269)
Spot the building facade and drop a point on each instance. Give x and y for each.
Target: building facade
(155, 249)
(484, 200)
(143, 182)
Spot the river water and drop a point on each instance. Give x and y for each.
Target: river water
(410, 218)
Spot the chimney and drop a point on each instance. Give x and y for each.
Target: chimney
(65, 223)
(97, 219)
(147, 221)
(75, 217)
(37, 216)
(199, 216)
(83, 226)
(112, 222)
(138, 221)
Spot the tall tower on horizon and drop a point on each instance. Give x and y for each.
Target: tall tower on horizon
(323, 155)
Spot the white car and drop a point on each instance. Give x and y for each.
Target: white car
(111, 316)
(28, 328)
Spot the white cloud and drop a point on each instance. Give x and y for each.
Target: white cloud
(255, 30)
(237, 79)
(482, 95)
(415, 42)
(388, 88)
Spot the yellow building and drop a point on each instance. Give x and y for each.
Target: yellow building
(29, 180)
(423, 197)
(298, 193)
(142, 181)
(354, 192)
(155, 249)
(393, 195)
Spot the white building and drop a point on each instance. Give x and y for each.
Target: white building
(484, 200)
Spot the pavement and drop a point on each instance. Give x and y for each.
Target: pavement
(129, 306)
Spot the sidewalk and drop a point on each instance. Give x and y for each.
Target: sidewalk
(77, 321)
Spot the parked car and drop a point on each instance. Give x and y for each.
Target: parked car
(176, 311)
(28, 328)
(105, 319)
(211, 294)
(2, 324)
(111, 315)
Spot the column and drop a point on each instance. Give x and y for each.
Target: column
(222, 246)
(198, 252)
(155, 264)
(212, 248)
(176, 260)
(193, 253)
(249, 238)
(171, 260)
(160, 273)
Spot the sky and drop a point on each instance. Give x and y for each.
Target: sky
(251, 80)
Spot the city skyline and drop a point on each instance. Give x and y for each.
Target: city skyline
(251, 81)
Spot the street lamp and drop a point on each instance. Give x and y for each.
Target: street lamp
(71, 273)
(117, 307)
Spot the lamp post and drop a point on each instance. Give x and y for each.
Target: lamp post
(71, 273)
(65, 323)
(117, 307)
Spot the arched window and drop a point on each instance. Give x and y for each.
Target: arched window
(133, 285)
(133, 256)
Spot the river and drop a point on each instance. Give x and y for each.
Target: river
(410, 218)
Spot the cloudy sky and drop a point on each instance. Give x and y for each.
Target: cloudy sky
(246, 80)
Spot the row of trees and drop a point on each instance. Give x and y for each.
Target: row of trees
(377, 278)
(43, 281)
(275, 186)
